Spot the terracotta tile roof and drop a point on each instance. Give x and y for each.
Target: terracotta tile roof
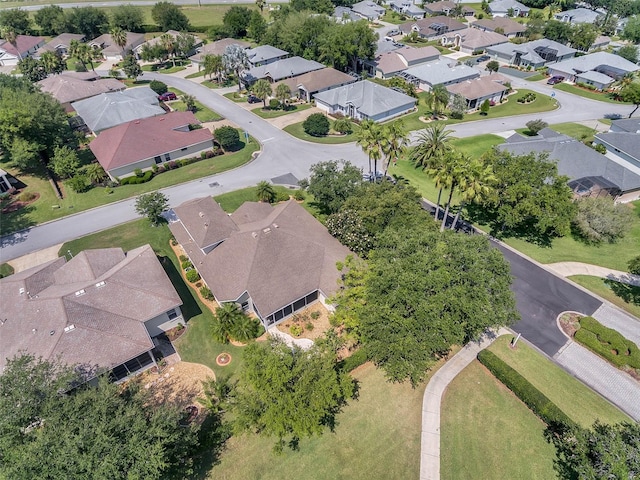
(65, 311)
(67, 88)
(146, 138)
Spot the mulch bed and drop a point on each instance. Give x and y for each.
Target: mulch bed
(17, 205)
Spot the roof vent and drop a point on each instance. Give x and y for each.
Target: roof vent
(80, 292)
(21, 291)
(266, 230)
(51, 332)
(68, 328)
(201, 214)
(100, 284)
(254, 234)
(34, 330)
(275, 225)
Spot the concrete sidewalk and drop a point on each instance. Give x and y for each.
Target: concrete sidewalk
(567, 269)
(430, 442)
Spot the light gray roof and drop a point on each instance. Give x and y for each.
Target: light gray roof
(528, 50)
(442, 71)
(369, 98)
(505, 5)
(596, 77)
(111, 109)
(578, 15)
(627, 124)
(66, 311)
(574, 158)
(341, 12)
(264, 53)
(368, 9)
(627, 142)
(217, 48)
(602, 62)
(414, 10)
(285, 68)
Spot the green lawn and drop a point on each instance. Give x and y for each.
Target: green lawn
(202, 113)
(43, 210)
(196, 344)
(536, 78)
(624, 296)
(279, 113)
(201, 73)
(166, 68)
(393, 17)
(592, 94)
(236, 97)
(487, 433)
(578, 401)
(297, 131)
(575, 130)
(6, 270)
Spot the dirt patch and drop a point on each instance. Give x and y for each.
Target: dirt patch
(310, 327)
(570, 323)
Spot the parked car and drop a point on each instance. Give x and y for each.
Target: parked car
(370, 177)
(166, 96)
(393, 33)
(253, 99)
(555, 79)
(483, 58)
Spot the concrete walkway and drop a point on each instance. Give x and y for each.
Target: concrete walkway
(303, 343)
(430, 442)
(566, 269)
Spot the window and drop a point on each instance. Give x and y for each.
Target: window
(299, 304)
(172, 314)
(167, 157)
(288, 310)
(183, 149)
(312, 297)
(158, 159)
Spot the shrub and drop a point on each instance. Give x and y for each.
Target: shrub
(457, 115)
(358, 358)
(79, 67)
(137, 180)
(600, 220)
(228, 137)
(171, 165)
(600, 148)
(281, 196)
(186, 264)
(308, 326)
(534, 126)
(138, 172)
(78, 184)
(274, 104)
(608, 343)
(158, 87)
(154, 168)
(206, 293)
(26, 196)
(193, 276)
(315, 315)
(183, 258)
(316, 125)
(343, 125)
(484, 108)
(295, 330)
(522, 388)
(299, 195)
(634, 265)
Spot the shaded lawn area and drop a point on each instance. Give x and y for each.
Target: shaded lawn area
(165, 68)
(622, 295)
(268, 113)
(196, 344)
(574, 398)
(487, 433)
(591, 94)
(42, 210)
(377, 436)
(235, 97)
(198, 74)
(131, 82)
(297, 131)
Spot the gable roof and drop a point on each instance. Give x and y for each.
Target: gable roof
(341, 13)
(63, 40)
(528, 50)
(574, 158)
(426, 26)
(627, 124)
(109, 47)
(110, 109)
(368, 9)
(442, 71)
(146, 138)
(158, 39)
(369, 98)
(318, 80)
(284, 68)
(445, 6)
(402, 58)
(603, 62)
(596, 77)
(206, 223)
(507, 25)
(68, 88)
(217, 48)
(480, 87)
(104, 325)
(505, 5)
(24, 43)
(578, 15)
(625, 142)
(264, 53)
(474, 38)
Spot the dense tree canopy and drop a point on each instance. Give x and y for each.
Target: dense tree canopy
(152, 205)
(16, 20)
(632, 29)
(51, 20)
(289, 393)
(331, 185)
(128, 17)
(106, 431)
(236, 21)
(88, 21)
(600, 220)
(168, 16)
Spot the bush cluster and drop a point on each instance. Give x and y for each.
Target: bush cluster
(528, 98)
(585, 85)
(206, 293)
(358, 358)
(135, 180)
(608, 343)
(193, 276)
(316, 125)
(186, 264)
(228, 137)
(522, 388)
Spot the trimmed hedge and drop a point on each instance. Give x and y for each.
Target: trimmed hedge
(135, 180)
(522, 388)
(358, 358)
(193, 276)
(608, 343)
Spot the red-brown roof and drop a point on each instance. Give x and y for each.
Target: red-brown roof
(23, 42)
(140, 139)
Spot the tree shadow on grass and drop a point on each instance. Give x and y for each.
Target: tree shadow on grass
(628, 293)
(13, 222)
(189, 306)
(213, 434)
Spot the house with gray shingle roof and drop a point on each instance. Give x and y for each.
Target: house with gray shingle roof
(67, 87)
(443, 72)
(365, 100)
(305, 86)
(589, 171)
(440, 27)
(110, 51)
(216, 48)
(445, 7)
(99, 311)
(345, 15)
(389, 64)
(578, 15)
(476, 91)
(368, 10)
(271, 260)
(607, 64)
(508, 8)
(408, 8)
(537, 53)
(474, 40)
(625, 125)
(280, 69)
(622, 147)
(264, 55)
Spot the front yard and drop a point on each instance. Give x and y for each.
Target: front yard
(298, 131)
(591, 94)
(268, 113)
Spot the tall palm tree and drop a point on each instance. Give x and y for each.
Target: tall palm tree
(283, 93)
(394, 141)
(262, 89)
(433, 144)
(265, 192)
(10, 35)
(119, 37)
(168, 42)
(226, 316)
(475, 185)
(213, 65)
(369, 137)
(51, 62)
(451, 174)
(83, 52)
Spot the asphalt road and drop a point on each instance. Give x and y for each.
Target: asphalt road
(140, 3)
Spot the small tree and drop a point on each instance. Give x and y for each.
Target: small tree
(600, 220)
(190, 102)
(484, 108)
(151, 205)
(65, 162)
(262, 89)
(228, 137)
(316, 125)
(534, 126)
(629, 52)
(265, 192)
(493, 66)
(283, 93)
(158, 87)
(131, 67)
(634, 265)
(631, 94)
(343, 125)
(457, 105)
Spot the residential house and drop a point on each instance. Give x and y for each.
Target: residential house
(445, 7)
(216, 48)
(264, 55)
(365, 100)
(590, 173)
(601, 42)
(443, 72)
(504, 25)
(625, 125)
(578, 15)
(475, 41)
(440, 27)
(69, 87)
(112, 52)
(599, 69)
(141, 144)
(368, 10)
(101, 311)
(280, 69)
(391, 63)
(622, 148)
(25, 46)
(59, 44)
(110, 109)
(475, 92)
(508, 8)
(271, 260)
(535, 54)
(137, 51)
(5, 181)
(408, 8)
(305, 86)
(345, 15)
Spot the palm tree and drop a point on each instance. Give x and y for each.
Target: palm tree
(95, 173)
(433, 144)
(265, 192)
(369, 137)
(119, 37)
(394, 141)
(10, 35)
(262, 89)
(190, 102)
(474, 185)
(213, 65)
(51, 62)
(169, 44)
(83, 52)
(283, 93)
(216, 394)
(450, 175)
(225, 317)
(244, 329)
